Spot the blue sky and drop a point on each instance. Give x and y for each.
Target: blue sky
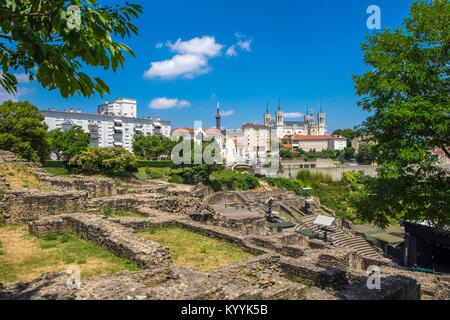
(299, 51)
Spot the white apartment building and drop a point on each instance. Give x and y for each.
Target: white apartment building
(114, 125)
(256, 140)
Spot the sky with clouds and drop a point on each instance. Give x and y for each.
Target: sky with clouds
(192, 54)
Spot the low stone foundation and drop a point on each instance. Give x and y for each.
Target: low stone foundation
(117, 239)
(18, 206)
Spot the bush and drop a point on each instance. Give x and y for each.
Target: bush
(232, 180)
(288, 184)
(96, 159)
(352, 177)
(176, 179)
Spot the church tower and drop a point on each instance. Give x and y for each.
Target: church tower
(218, 117)
(279, 115)
(267, 117)
(321, 121)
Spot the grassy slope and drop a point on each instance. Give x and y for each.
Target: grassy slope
(19, 176)
(24, 257)
(191, 249)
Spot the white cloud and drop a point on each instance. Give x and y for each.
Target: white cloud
(159, 45)
(289, 115)
(21, 91)
(244, 45)
(239, 35)
(226, 113)
(205, 46)
(231, 51)
(191, 60)
(187, 65)
(166, 103)
(22, 77)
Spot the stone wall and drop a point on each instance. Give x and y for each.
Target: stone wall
(117, 239)
(95, 187)
(23, 205)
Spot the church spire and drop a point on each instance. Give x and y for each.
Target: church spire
(320, 106)
(279, 106)
(267, 107)
(218, 117)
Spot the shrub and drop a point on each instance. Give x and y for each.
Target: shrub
(231, 180)
(203, 249)
(288, 184)
(176, 179)
(352, 177)
(96, 159)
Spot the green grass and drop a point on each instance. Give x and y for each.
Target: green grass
(124, 214)
(192, 249)
(148, 173)
(26, 257)
(57, 171)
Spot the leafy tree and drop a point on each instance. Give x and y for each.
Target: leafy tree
(286, 153)
(348, 153)
(69, 143)
(329, 154)
(23, 131)
(365, 153)
(193, 173)
(152, 146)
(43, 39)
(407, 93)
(96, 160)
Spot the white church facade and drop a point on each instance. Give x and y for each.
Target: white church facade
(308, 126)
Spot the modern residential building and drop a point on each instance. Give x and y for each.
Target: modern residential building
(306, 127)
(257, 139)
(114, 125)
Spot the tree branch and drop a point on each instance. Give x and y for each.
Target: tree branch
(7, 37)
(6, 49)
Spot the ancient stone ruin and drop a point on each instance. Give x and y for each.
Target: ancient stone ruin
(285, 265)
